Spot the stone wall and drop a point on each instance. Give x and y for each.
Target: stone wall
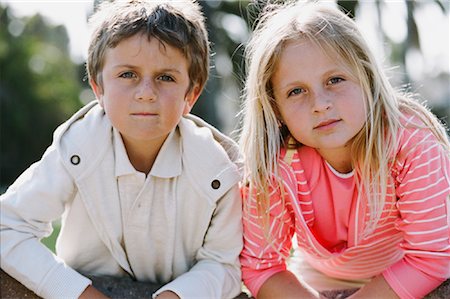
(113, 287)
(124, 288)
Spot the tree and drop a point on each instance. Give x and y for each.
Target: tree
(39, 89)
(398, 52)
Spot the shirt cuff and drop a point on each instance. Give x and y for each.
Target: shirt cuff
(63, 282)
(409, 282)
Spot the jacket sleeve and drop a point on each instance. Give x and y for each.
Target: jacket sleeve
(217, 271)
(423, 192)
(261, 258)
(28, 208)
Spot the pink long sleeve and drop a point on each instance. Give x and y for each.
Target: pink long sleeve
(422, 188)
(260, 259)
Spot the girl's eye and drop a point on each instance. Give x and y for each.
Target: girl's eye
(128, 75)
(296, 91)
(166, 78)
(335, 80)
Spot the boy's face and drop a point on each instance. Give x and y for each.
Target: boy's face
(145, 90)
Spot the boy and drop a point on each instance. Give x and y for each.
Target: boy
(142, 190)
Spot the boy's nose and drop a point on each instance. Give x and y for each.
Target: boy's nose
(146, 90)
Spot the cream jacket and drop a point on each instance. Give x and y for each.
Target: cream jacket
(196, 175)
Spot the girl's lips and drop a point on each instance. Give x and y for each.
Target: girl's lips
(327, 124)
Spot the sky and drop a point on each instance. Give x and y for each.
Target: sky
(434, 27)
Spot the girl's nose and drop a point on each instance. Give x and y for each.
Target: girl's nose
(146, 90)
(322, 102)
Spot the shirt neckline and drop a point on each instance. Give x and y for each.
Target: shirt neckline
(339, 174)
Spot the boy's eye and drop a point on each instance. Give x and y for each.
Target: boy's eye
(335, 80)
(295, 91)
(166, 78)
(128, 75)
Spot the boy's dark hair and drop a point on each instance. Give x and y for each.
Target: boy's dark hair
(180, 24)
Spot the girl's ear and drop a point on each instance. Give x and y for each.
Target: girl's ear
(98, 91)
(278, 115)
(191, 98)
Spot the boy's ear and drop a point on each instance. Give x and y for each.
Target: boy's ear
(98, 91)
(191, 98)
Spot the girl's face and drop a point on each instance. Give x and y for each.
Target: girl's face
(319, 100)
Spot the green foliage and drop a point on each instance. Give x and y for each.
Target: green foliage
(225, 47)
(50, 241)
(39, 89)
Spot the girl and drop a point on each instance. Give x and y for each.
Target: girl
(358, 172)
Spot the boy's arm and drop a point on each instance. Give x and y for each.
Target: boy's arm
(27, 210)
(217, 273)
(92, 293)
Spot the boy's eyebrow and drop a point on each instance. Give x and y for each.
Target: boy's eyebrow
(170, 70)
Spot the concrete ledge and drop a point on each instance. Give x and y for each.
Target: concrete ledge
(121, 288)
(113, 287)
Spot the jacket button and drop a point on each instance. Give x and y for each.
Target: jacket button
(215, 184)
(75, 160)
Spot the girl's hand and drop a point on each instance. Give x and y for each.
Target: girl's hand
(285, 285)
(376, 288)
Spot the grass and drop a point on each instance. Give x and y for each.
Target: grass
(50, 241)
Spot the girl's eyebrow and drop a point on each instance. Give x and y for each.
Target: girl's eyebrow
(289, 85)
(335, 71)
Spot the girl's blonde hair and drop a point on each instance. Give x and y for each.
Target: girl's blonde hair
(262, 136)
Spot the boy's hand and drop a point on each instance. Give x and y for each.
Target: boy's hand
(92, 293)
(167, 295)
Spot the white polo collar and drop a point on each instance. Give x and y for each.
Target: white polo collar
(167, 163)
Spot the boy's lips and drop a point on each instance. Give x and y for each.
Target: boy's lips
(143, 114)
(327, 124)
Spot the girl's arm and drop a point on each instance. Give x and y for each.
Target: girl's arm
(284, 285)
(376, 288)
(261, 258)
(422, 185)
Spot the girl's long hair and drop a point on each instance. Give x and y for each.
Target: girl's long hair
(262, 137)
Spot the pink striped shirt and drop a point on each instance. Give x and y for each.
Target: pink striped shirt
(410, 246)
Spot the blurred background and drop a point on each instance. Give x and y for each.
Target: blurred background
(43, 46)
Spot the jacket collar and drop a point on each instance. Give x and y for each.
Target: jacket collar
(185, 148)
(209, 158)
